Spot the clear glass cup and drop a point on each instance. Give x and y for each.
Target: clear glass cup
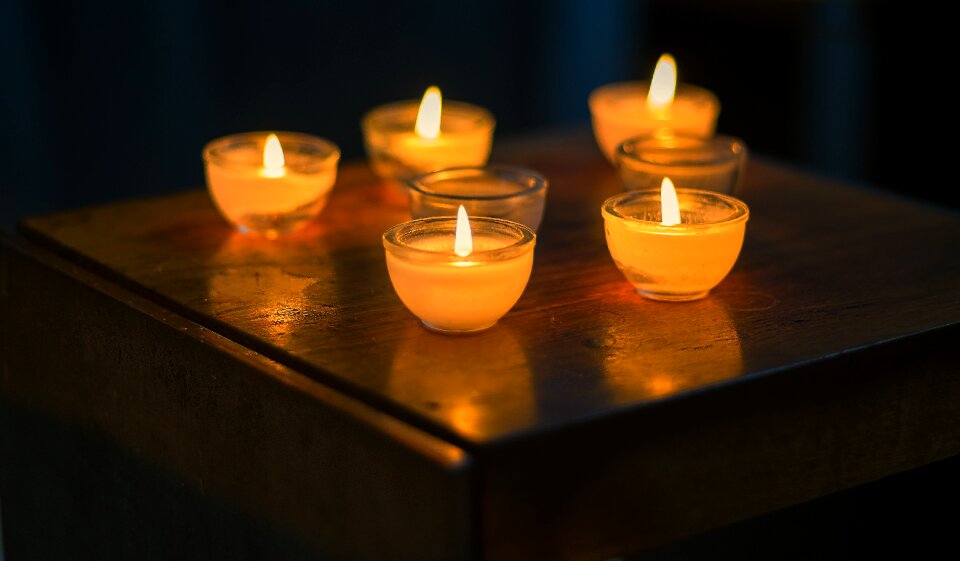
(508, 192)
(711, 164)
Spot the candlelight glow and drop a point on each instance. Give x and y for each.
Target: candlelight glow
(669, 205)
(463, 244)
(664, 83)
(273, 161)
(465, 417)
(428, 117)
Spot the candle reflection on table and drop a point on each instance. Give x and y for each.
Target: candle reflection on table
(263, 282)
(461, 397)
(666, 360)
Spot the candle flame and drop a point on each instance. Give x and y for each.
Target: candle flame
(664, 83)
(428, 117)
(463, 244)
(669, 205)
(273, 161)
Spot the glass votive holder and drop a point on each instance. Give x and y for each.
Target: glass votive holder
(454, 294)
(270, 194)
(711, 164)
(680, 262)
(619, 111)
(495, 191)
(397, 152)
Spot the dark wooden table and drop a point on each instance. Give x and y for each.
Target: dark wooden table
(287, 380)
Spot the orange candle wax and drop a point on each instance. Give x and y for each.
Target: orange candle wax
(452, 286)
(406, 138)
(270, 183)
(628, 109)
(677, 253)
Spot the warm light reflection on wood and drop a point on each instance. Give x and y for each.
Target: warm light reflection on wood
(273, 298)
(459, 396)
(666, 360)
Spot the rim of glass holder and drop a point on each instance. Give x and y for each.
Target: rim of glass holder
(628, 89)
(327, 152)
(386, 114)
(534, 182)
(725, 150)
(396, 240)
(738, 209)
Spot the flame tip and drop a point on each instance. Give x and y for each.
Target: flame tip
(428, 115)
(669, 205)
(663, 85)
(273, 153)
(463, 242)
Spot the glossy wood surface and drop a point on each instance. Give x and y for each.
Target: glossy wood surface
(287, 378)
(826, 269)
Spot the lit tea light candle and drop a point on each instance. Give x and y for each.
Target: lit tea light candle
(459, 275)
(629, 109)
(270, 183)
(674, 244)
(407, 138)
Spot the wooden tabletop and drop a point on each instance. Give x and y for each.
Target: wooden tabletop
(825, 269)
(588, 424)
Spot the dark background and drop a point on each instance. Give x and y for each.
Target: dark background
(109, 100)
